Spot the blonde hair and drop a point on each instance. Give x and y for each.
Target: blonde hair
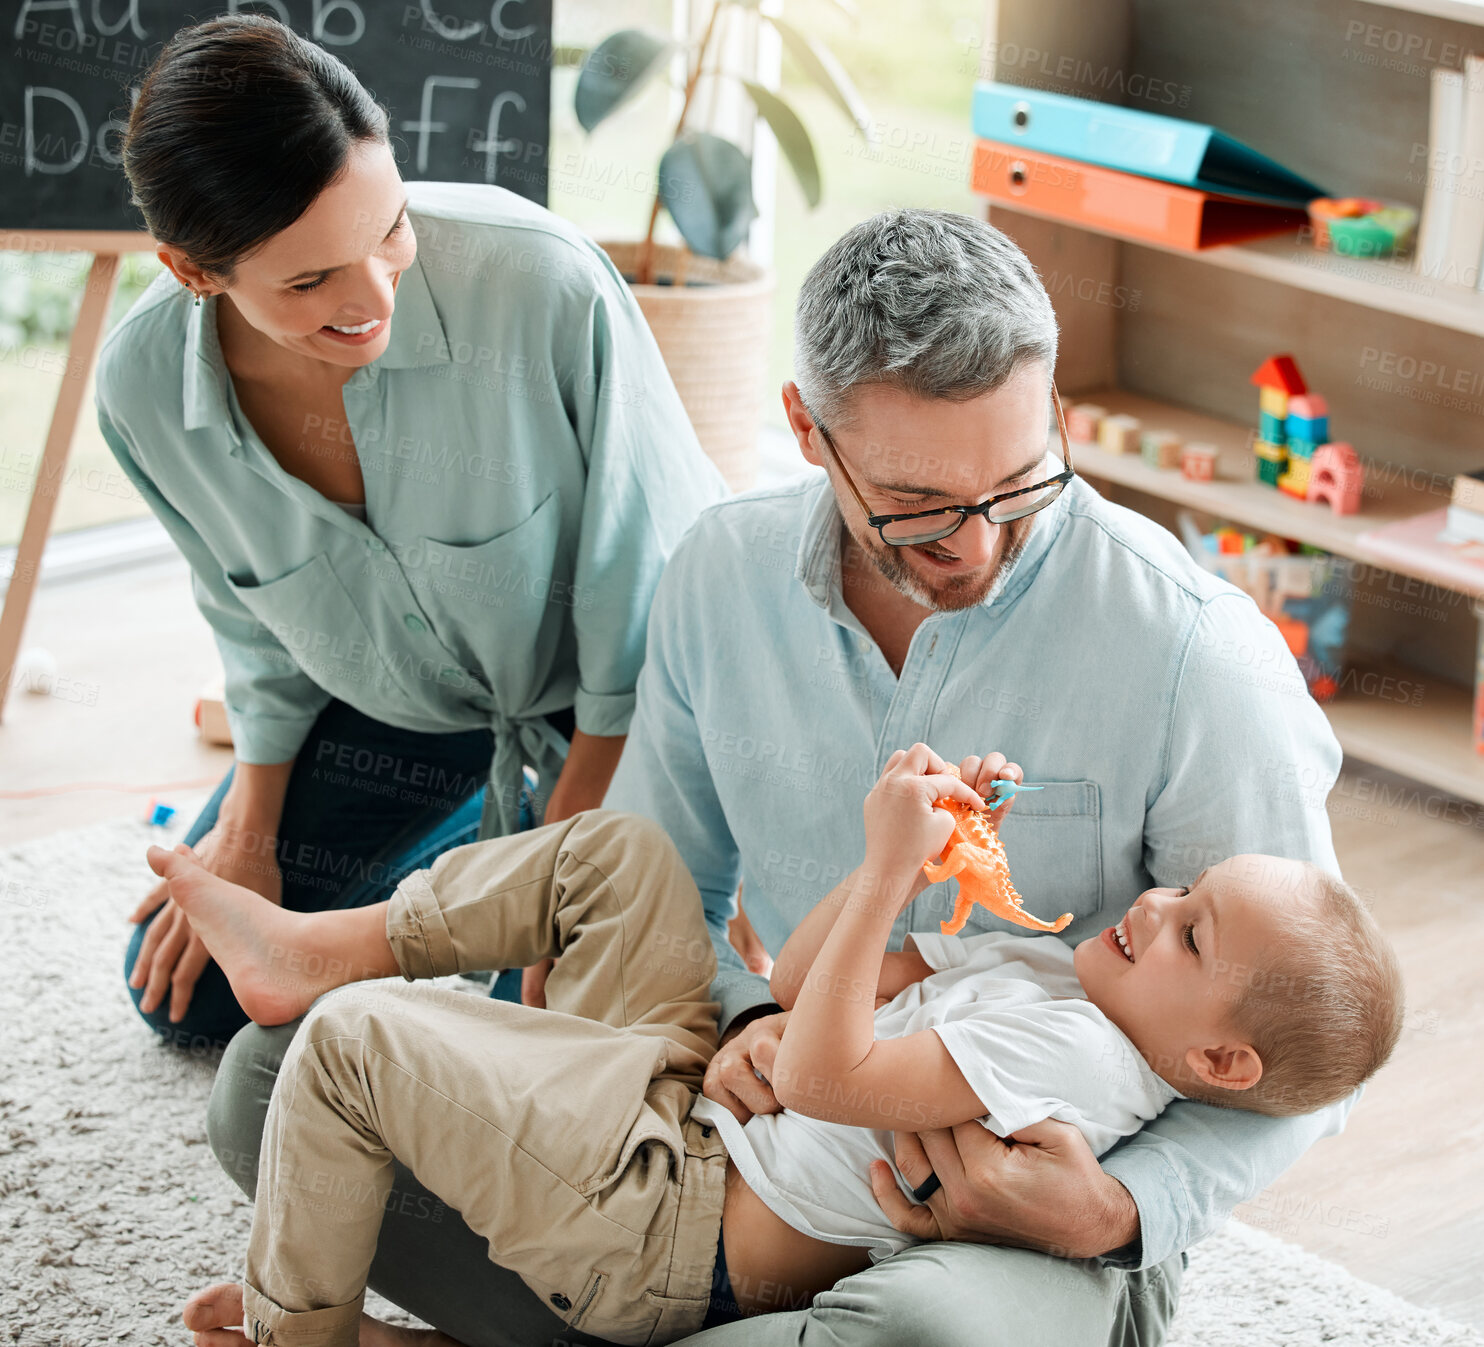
(1323, 1007)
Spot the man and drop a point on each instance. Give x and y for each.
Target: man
(794, 645)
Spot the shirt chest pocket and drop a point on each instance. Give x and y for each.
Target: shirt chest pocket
(498, 605)
(1053, 839)
(310, 613)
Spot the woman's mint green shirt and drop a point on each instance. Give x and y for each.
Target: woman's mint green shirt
(528, 469)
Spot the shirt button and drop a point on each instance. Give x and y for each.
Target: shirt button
(561, 1302)
(375, 544)
(414, 623)
(448, 674)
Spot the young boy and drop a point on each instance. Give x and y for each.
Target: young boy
(572, 1138)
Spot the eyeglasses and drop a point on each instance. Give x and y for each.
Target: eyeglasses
(928, 526)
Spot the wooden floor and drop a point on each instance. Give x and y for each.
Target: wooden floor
(1398, 1198)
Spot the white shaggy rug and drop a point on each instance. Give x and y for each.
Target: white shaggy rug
(112, 1209)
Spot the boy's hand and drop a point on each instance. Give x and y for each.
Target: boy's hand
(903, 829)
(982, 773)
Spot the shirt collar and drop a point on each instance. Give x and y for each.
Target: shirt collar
(417, 338)
(204, 390)
(818, 564)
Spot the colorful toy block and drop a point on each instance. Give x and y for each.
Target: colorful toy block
(1198, 462)
(1280, 372)
(1273, 429)
(1083, 421)
(1295, 482)
(1308, 418)
(1272, 459)
(1119, 434)
(1273, 401)
(1160, 448)
(1302, 448)
(1336, 476)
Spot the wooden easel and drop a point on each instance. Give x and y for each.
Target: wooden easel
(87, 334)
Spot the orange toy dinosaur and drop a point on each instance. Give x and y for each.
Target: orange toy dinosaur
(977, 856)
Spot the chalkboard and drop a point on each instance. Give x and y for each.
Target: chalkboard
(467, 83)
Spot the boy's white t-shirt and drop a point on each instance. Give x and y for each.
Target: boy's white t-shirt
(1018, 1025)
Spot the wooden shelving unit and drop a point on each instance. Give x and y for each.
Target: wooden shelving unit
(1235, 496)
(1389, 285)
(1297, 83)
(1398, 718)
(1461, 11)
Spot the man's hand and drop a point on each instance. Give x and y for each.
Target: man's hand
(1045, 1192)
(171, 956)
(982, 773)
(730, 1078)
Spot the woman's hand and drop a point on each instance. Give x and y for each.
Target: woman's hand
(171, 956)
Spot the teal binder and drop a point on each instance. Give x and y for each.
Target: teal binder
(1134, 141)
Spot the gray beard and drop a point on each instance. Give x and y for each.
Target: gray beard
(955, 597)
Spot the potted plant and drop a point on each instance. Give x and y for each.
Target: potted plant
(708, 305)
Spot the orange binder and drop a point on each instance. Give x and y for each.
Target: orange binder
(1121, 204)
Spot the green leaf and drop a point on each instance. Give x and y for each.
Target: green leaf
(706, 185)
(615, 70)
(792, 138)
(819, 63)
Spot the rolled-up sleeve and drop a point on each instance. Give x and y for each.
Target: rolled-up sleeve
(647, 480)
(1194, 1163)
(271, 702)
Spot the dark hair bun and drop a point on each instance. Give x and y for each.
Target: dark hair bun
(240, 124)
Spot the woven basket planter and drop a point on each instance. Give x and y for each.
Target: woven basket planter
(711, 320)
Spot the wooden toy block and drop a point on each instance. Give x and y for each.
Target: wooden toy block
(1280, 371)
(1120, 434)
(1273, 429)
(1198, 462)
(1295, 482)
(1160, 448)
(1273, 401)
(1309, 405)
(1272, 459)
(1083, 421)
(1463, 526)
(1315, 429)
(1468, 491)
(211, 714)
(1337, 476)
(1295, 633)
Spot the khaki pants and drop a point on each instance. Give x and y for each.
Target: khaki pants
(563, 1135)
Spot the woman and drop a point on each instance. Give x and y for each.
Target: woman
(423, 457)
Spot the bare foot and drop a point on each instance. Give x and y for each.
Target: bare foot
(217, 1308)
(268, 954)
(374, 1333)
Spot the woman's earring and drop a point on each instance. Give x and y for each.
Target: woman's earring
(197, 293)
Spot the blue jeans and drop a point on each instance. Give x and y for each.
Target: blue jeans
(366, 805)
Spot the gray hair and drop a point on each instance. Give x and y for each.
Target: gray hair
(935, 303)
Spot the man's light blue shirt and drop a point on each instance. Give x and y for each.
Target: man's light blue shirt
(1154, 701)
(528, 468)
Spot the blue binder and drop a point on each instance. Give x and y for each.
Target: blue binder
(1134, 141)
